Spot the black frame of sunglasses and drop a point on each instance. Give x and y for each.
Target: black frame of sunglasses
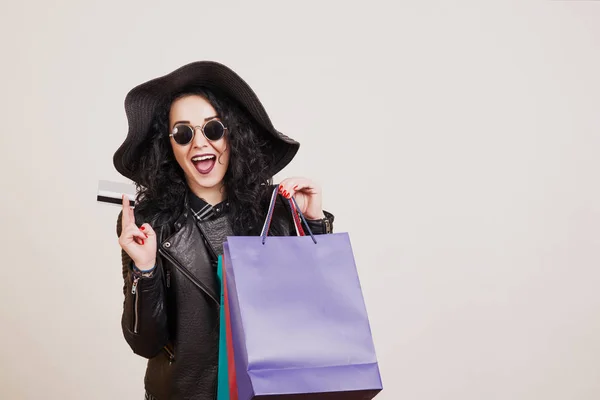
(193, 129)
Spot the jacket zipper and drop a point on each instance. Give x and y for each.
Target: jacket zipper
(170, 354)
(136, 279)
(207, 243)
(188, 275)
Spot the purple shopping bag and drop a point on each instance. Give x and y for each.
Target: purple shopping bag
(298, 319)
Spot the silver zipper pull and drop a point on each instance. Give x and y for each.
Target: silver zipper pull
(135, 283)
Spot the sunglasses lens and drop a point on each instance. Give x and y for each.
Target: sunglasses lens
(182, 134)
(214, 130)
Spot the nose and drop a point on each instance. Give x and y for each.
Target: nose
(199, 139)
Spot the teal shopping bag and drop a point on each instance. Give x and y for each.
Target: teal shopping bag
(223, 377)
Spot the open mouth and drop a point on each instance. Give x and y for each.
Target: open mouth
(204, 163)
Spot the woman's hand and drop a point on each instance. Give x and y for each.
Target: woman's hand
(139, 243)
(308, 196)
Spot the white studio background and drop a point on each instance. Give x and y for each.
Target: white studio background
(457, 143)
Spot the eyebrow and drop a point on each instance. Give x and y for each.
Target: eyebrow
(188, 122)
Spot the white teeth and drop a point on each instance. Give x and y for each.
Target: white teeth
(202, 158)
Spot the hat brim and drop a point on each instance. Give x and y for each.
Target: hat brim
(142, 101)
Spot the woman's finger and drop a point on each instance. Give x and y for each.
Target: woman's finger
(125, 215)
(286, 187)
(131, 233)
(290, 187)
(138, 232)
(147, 229)
(131, 215)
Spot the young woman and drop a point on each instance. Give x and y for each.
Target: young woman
(202, 152)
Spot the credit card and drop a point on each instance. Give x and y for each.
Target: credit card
(110, 192)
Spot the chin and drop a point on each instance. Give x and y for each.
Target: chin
(208, 181)
(208, 184)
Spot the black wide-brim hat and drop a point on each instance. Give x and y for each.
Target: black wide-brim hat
(142, 101)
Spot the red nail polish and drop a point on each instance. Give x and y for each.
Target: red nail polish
(142, 241)
(143, 227)
(295, 187)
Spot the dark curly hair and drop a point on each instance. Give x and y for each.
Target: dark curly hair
(161, 184)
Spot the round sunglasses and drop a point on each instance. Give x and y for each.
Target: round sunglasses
(184, 133)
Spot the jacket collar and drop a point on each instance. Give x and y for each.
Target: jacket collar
(181, 220)
(200, 209)
(186, 248)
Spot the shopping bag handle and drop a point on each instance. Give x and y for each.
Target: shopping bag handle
(295, 213)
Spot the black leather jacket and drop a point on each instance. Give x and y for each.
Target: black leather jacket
(172, 317)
